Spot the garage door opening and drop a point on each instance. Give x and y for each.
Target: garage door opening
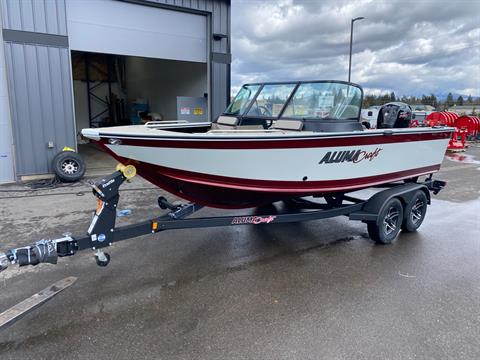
(117, 90)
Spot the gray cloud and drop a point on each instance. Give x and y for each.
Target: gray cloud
(410, 47)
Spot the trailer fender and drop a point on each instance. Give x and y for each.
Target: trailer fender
(375, 204)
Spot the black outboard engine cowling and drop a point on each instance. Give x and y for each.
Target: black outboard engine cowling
(394, 115)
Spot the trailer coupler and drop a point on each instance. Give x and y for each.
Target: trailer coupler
(99, 234)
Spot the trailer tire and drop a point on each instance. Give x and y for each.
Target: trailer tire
(68, 166)
(389, 223)
(415, 212)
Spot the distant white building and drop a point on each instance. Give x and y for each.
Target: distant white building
(465, 109)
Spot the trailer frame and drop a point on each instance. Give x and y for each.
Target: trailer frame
(103, 233)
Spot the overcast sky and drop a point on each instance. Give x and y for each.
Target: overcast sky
(410, 47)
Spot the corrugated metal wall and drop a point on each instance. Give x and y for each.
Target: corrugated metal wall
(40, 82)
(41, 102)
(6, 139)
(42, 16)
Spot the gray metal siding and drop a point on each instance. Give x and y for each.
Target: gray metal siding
(43, 16)
(219, 88)
(42, 110)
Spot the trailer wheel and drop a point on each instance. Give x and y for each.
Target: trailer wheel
(68, 166)
(415, 212)
(389, 223)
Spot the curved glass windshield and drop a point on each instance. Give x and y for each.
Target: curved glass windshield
(325, 100)
(240, 104)
(271, 99)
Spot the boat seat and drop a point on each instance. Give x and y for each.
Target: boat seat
(225, 123)
(293, 125)
(231, 123)
(228, 120)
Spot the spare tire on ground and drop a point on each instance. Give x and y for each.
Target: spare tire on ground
(68, 166)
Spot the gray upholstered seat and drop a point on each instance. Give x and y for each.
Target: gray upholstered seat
(292, 125)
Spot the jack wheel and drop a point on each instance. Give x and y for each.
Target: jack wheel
(161, 203)
(415, 212)
(102, 262)
(389, 223)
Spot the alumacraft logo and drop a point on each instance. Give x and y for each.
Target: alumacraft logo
(253, 219)
(354, 156)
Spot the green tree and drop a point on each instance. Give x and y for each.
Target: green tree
(385, 99)
(469, 99)
(429, 100)
(460, 100)
(393, 97)
(434, 100)
(449, 102)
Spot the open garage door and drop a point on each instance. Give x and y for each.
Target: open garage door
(115, 27)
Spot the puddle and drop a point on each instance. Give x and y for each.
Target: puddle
(462, 158)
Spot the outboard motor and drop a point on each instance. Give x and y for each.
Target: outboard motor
(394, 115)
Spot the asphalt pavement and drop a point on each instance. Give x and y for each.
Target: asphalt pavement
(317, 290)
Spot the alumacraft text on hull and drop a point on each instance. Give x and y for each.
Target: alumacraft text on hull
(275, 141)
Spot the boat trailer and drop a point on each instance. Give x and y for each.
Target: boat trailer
(102, 232)
(399, 206)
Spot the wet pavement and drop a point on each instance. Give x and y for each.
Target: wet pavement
(317, 290)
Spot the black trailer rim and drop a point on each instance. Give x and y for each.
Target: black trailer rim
(416, 214)
(390, 222)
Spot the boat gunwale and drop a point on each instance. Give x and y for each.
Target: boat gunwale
(265, 136)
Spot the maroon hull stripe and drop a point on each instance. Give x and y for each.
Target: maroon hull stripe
(229, 143)
(291, 186)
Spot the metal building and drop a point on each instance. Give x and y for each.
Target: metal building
(168, 46)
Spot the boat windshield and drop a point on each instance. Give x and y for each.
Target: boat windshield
(328, 100)
(325, 100)
(241, 102)
(271, 100)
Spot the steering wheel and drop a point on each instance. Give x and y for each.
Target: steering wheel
(264, 111)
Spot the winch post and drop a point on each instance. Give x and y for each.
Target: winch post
(102, 227)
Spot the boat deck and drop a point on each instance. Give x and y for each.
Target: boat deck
(189, 130)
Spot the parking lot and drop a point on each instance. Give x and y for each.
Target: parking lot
(317, 290)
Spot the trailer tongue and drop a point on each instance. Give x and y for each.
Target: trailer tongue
(399, 206)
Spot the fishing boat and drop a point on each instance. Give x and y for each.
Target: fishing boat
(276, 141)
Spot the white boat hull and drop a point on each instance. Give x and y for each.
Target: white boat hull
(278, 164)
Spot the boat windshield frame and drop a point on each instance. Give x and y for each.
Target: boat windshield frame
(297, 84)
